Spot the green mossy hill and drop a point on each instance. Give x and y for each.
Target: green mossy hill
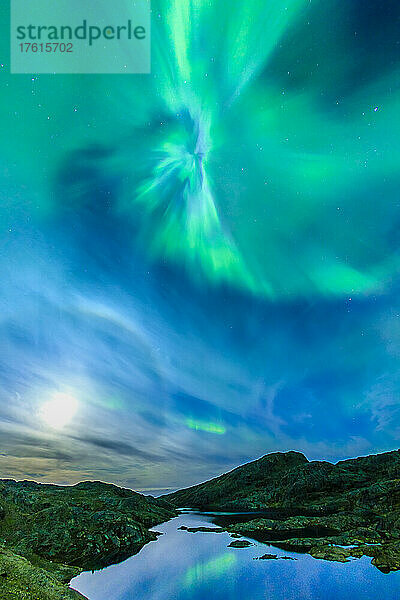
(313, 507)
(249, 487)
(88, 525)
(289, 481)
(60, 530)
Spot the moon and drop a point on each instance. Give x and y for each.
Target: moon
(59, 410)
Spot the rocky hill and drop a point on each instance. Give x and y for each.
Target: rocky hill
(289, 481)
(63, 529)
(314, 507)
(249, 487)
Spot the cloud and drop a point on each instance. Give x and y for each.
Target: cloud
(123, 448)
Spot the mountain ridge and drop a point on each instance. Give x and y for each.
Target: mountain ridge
(297, 471)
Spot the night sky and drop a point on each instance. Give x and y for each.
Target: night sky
(201, 265)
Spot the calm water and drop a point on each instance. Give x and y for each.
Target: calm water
(200, 566)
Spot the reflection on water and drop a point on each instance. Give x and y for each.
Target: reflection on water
(200, 566)
(213, 569)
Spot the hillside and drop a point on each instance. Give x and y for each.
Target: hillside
(61, 530)
(333, 512)
(289, 481)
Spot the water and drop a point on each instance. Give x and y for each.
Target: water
(199, 566)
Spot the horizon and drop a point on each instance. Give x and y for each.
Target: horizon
(171, 490)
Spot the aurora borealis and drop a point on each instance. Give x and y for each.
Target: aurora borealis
(204, 259)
